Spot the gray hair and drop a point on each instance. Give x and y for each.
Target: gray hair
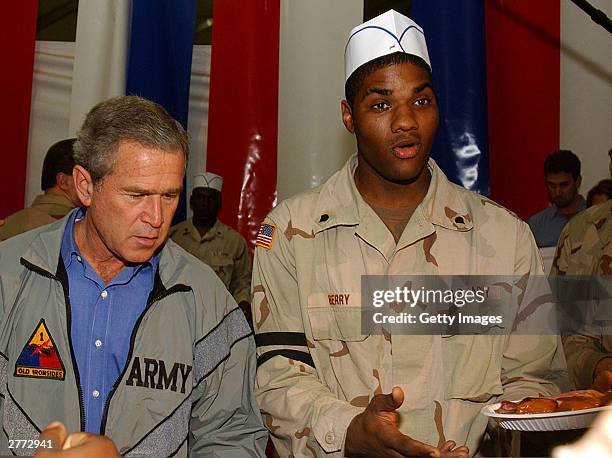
(127, 118)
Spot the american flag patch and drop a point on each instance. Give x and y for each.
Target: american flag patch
(265, 236)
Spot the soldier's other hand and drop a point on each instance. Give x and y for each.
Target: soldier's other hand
(448, 450)
(603, 377)
(75, 445)
(374, 432)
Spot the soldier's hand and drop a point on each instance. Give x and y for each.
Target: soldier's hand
(602, 377)
(448, 450)
(374, 432)
(75, 445)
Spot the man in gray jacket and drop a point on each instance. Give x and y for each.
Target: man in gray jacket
(112, 329)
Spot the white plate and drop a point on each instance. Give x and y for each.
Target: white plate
(555, 421)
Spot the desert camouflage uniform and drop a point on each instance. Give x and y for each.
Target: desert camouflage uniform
(316, 371)
(46, 209)
(223, 249)
(584, 249)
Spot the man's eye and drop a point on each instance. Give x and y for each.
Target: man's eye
(423, 101)
(380, 106)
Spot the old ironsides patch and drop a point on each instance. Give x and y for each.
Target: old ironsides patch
(39, 357)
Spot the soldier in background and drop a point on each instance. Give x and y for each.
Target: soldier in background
(213, 242)
(585, 248)
(323, 387)
(59, 194)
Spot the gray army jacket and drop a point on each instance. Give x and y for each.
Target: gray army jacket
(186, 388)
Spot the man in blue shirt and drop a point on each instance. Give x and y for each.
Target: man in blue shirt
(562, 178)
(111, 328)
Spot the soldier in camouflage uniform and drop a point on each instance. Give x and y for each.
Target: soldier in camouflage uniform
(323, 387)
(213, 242)
(584, 249)
(59, 195)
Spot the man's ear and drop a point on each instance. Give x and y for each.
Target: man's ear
(63, 181)
(578, 182)
(83, 185)
(347, 116)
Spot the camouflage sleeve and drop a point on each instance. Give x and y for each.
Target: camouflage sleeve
(302, 414)
(240, 284)
(562, 254)
(532, 365)
(583, 353)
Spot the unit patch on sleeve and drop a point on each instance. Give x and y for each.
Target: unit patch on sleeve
(265, 236)
(39, 357)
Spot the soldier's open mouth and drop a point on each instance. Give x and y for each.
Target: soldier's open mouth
(406, 150)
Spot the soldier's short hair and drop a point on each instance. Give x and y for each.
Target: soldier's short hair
(604, 187)
(126, 118)
(562, 160)
(59, 159)
(354, 82)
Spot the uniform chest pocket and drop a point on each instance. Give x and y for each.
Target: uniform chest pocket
(472, 367)
(335, 317)
(222, 264)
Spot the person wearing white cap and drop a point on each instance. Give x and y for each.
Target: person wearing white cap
(326, 389)
(213, 242)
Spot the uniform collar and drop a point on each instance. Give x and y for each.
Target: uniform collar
(215, 231)
(340, 204)
(54, 199)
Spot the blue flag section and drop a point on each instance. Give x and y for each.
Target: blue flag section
(159, 64)
(455, 34)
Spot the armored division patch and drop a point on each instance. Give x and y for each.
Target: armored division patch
(39, 357)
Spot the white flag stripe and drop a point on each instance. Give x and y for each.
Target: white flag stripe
(100, 63)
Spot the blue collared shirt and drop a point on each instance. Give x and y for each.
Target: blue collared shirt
(103, 318)
(548, 224)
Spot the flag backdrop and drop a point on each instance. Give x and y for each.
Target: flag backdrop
(159, 68)
(496, 73)
(18, 33)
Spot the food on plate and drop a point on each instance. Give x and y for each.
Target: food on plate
(565, 402)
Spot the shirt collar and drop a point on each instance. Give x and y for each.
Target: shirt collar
(214, 231)
(340, 203)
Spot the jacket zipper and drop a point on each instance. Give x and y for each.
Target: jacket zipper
(152, 299)
(77, 377)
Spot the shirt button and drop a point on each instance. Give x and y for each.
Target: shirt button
(79, 259)
(329, 437)
(104, 294)
(95, 394)
(98, 343)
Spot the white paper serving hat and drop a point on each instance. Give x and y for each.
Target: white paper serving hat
(208, 180)
(385, 34)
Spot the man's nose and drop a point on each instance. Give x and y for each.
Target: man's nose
(153, 214)
(404, 118)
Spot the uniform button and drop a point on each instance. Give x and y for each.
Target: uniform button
(98, 343)
(95, 394)
(329, 437)
(104, 294)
